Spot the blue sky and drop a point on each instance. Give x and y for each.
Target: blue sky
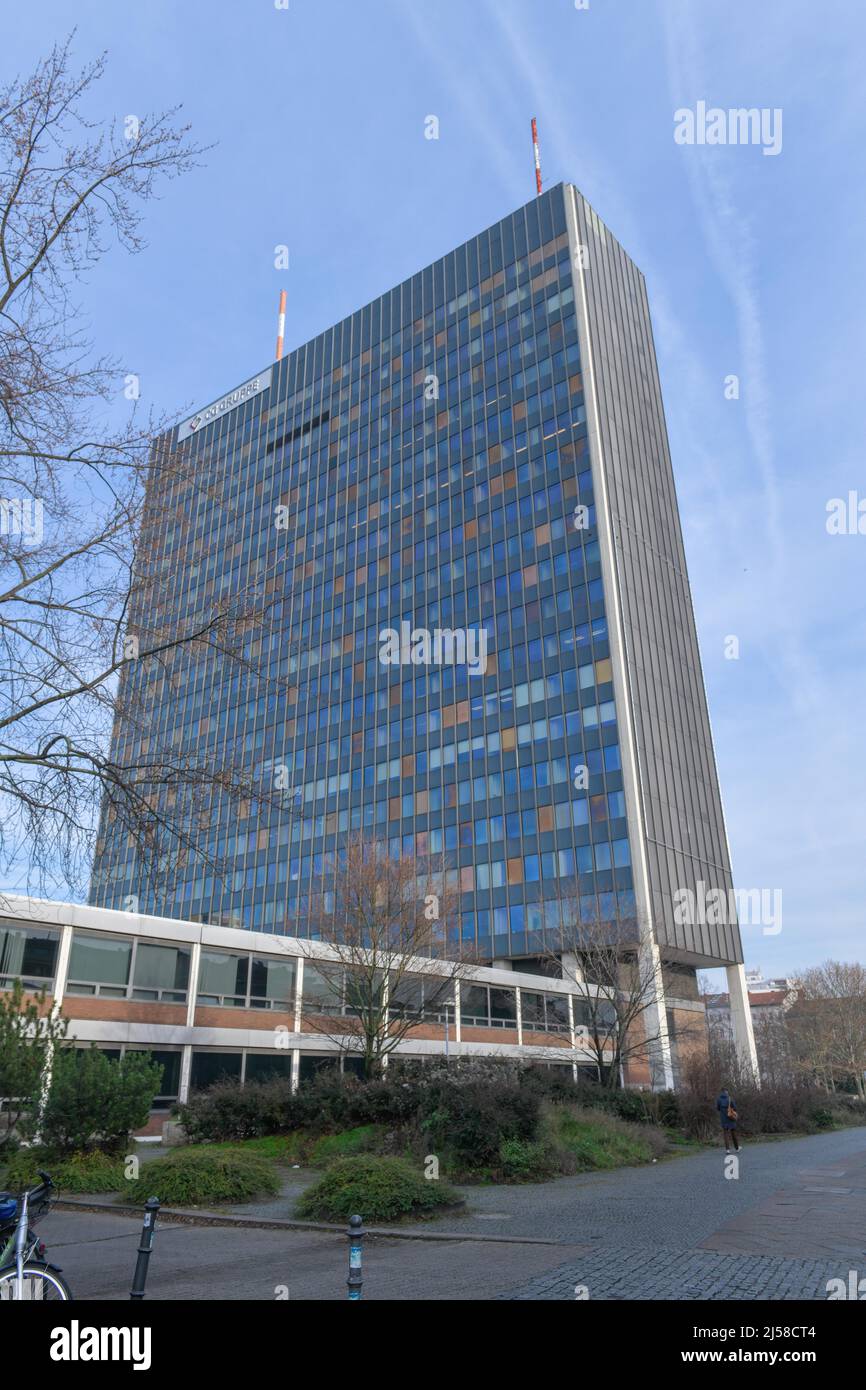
(754, 266)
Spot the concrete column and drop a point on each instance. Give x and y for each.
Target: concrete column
(192, 996)
(741, 1019)
(572, 970)
(191, 1002)
(62, 971)
(299, 993)
(571, 1032)
(60, 975)
(185, 1073)
(296, 1069)
(573, 973)
(386, 1005)
(655, 1019)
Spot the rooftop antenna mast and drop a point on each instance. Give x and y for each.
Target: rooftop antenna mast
(537, 156)
(281, 326)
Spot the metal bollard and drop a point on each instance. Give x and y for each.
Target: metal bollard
(356, 1234)
(148, 1230)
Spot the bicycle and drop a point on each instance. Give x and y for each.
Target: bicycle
(25, 1274)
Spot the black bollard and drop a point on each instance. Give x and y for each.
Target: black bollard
(356, 1234)
(148, 1230)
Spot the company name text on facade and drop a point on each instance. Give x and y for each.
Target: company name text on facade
(253, 387)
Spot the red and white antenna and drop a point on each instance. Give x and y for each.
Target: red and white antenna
(537, 156)
(281, 326)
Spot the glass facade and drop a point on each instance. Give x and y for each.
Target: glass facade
(419, 470)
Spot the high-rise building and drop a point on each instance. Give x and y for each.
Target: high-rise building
(482, 645)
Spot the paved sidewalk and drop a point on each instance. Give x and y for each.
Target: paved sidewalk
(823, 1213)
(97, 1253)
(793, 1220)
(644, 1272)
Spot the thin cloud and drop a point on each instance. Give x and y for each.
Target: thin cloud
(731, 249)
(436, 39)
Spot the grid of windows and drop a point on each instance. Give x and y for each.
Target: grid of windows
(116, 967)
(425, 463)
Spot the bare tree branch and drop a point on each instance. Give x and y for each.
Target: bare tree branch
(92, 635)
(385, 918)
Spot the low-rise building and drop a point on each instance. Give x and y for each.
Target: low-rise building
(209, 1002)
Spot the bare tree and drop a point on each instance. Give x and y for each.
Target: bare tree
(89, 632)
(619, 979)
(773, 1047)
(391, 962)
(827, 1024)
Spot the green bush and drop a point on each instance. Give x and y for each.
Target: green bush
(377, 1189)
(328, 1103)
(29, 1031)
(192, 1178)
(822, 1118)
(639, 1107)
(552, 1083)
(522, 1160)
(630, 1105)
(667, 1109)
(95, 1101)
(478, 1115)
(227, 1111)
(94, 1171)
(468, 1120)
(332, 1102)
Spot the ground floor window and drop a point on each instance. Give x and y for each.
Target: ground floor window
(209, 1067)
(263, 1066)
(170, 1084)
(311, 1066)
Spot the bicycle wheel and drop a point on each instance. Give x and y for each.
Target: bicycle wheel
(40, 1284)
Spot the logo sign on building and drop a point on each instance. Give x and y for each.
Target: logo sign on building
(222, 407)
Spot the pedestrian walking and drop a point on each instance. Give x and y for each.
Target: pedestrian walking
(729, 1118)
